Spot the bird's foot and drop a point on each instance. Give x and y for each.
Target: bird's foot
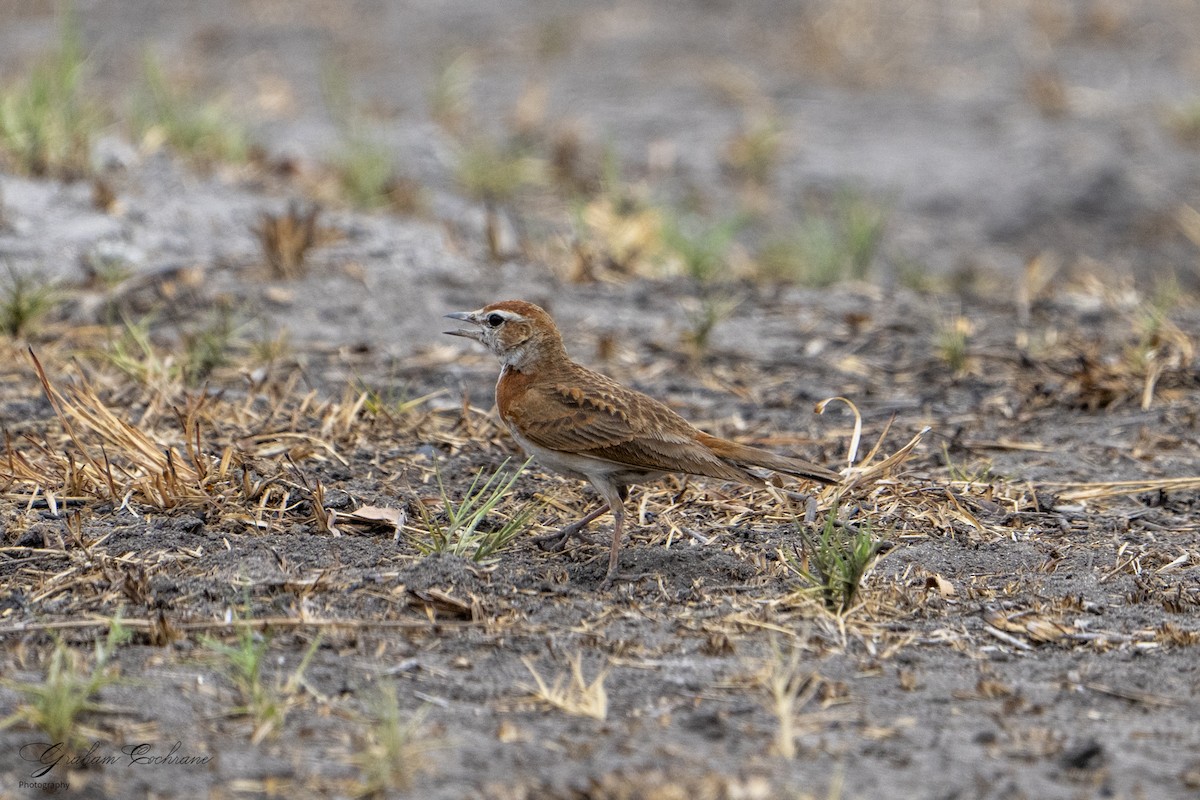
(557, 541)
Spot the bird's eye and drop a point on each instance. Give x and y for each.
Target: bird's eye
(495, 320)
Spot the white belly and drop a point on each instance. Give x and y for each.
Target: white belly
(581, 466)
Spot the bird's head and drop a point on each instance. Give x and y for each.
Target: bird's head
(519, 333)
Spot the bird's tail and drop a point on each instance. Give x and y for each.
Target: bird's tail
(748, 457)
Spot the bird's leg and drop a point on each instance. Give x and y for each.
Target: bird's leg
(612, 576)
(615, 496)
(615, 552)
(558, 540)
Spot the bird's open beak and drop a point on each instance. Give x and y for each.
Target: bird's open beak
(465, 316)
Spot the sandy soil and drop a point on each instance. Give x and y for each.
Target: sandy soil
(1031, 633)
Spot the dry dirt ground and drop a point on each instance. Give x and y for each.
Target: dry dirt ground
(183, 446)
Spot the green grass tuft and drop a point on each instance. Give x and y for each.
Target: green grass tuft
(392, 754)
(494, 175)
(450, 95)
(366, 171)
(366, 168)
(754, 153)
(55, 705)
(266, 703)
(24, 300)
(46, 125)
(702, 249)
(208, 348)
(198, 129)
(951, 340)
(826, 249)
(133, 353)
(833, 563)
(464, 532)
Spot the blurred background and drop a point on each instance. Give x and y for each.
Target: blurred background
(938, 144)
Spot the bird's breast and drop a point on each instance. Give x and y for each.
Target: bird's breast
(510, 390)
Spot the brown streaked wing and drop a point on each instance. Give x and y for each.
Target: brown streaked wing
(673, 456)
(595, 416)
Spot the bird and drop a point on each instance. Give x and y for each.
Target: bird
(582, 424)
